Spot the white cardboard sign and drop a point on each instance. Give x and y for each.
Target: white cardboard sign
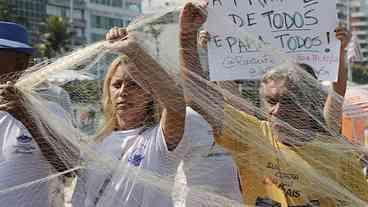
(300, 29)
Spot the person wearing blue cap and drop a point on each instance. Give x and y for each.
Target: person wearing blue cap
(24, 159)
(15, 50)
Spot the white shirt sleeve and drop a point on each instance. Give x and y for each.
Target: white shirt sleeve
(197, 132)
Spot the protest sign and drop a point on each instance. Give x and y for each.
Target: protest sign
(241, 30)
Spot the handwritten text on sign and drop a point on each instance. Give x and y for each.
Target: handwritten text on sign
(303, 29)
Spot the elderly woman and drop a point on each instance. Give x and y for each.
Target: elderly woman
(279, 158)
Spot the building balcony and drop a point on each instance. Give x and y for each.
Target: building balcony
(358, 14)
(78, 4)
(134, 1)
(101, 10)
(359, 32)
(362, 42)
(359, 23)
(364, 51)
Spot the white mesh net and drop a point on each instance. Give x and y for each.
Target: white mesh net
(136, 122)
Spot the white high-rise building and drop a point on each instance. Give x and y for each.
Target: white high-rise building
(358, 21)
(359, 24)
(105, 14)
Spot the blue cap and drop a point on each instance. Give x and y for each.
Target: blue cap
(15, 37)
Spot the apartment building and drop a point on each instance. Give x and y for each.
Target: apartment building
(79, 22)
(358, 20)
(31, 14)
(105, 14)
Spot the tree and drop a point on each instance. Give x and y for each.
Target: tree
(360, 73)
(56, 37)
(85, 91)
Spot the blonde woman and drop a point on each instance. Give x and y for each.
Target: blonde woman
(143, 143)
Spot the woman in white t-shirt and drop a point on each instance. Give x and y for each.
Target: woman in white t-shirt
(138, 154)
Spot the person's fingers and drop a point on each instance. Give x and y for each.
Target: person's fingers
(109, 34)
(4, 86)
(203, 32)
(188, 10)
(115, 33)
(203, 3)
(204, 36)
(127, 44)
(341, 32)
(202, 7)
(6, 90)
(122, 32)
(203, 42)
(8, 106)
(203, 39)
(339, 28)
(339, 35)
(344, 37)
(342, 24)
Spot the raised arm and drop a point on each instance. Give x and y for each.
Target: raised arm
(151, 76)
(191, 19)
(334, 103)
(196, 89)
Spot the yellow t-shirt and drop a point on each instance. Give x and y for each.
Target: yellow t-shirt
(287, 175)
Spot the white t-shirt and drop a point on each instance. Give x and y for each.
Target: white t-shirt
(21, 162)
(22, 165)
(145, 156)
(208, 172)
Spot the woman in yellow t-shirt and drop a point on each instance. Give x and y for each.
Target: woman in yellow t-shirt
(294, 158)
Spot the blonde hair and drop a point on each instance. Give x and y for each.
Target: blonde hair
(110, 121)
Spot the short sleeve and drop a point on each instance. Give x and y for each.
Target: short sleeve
(197, 134)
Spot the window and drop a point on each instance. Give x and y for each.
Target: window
(79, 32)
(97, 37)
(77, 14)
(136, 7)
(64, 12)
(51, 10)
(117, 3)
(355, 9)
(114, 3)
(101, 22)
(127, 22)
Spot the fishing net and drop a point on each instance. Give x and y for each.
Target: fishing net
(136, 122)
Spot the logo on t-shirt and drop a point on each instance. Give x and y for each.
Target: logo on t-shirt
(136, 157)
(24, 145)
(24, 139)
